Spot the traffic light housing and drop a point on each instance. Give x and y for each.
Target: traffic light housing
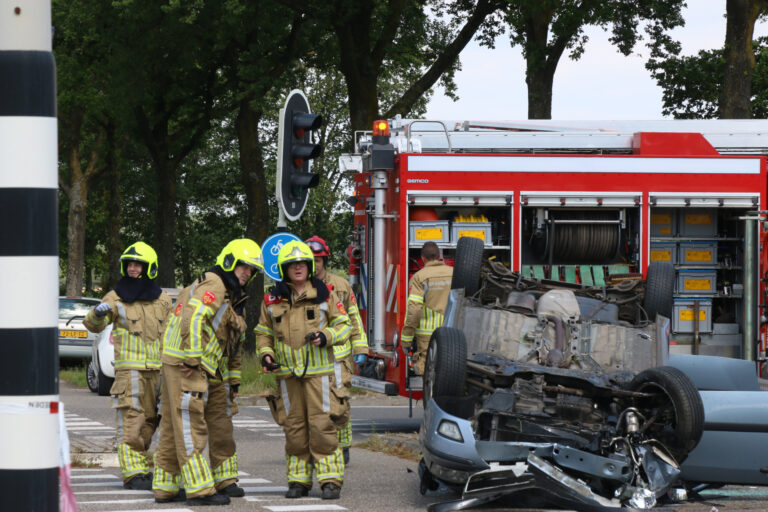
(295, 153)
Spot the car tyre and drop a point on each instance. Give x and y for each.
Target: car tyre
(92, 377)
(445, 369)
(659, 289)
(466, 267)
(105, 383)
(677, 406)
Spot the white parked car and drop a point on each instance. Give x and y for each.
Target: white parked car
(74, 339)
(101, 368)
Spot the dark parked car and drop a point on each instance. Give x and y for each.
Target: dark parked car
(537, 386)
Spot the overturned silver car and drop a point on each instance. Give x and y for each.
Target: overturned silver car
(533, 386)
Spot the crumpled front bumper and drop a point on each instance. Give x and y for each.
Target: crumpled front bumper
(454, 462)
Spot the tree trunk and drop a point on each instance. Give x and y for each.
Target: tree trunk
(739, 56)
(78, 202)
(254, 182)
(115, 212)
(184, 261)
(539, 67)
(363, 100)
(165, 175)
(539, 84)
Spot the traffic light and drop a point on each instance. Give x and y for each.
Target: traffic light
(295, 152)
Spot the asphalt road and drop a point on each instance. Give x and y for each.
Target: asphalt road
(373, 482)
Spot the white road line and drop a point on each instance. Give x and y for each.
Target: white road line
(86, 429)
(278, 488)
(102, 484)
(87, 470)
(125, 502)
(273, 435)
(254, 481)
(93, 476)
(243, 473)
(300, 508)
(114, 492)
(164, 510)
(71, 424)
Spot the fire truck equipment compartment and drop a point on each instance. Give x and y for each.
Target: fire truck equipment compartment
(683, 317)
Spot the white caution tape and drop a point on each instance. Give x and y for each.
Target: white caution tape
(29, 432)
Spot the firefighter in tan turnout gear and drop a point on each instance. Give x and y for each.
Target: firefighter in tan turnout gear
(199, 353)
(357, 343)
(428, 293)
(138, 308)
(300, 324)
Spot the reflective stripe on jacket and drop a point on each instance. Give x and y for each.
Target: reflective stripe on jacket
(283, 327)
(136, 330)
(427, 298)
(202, 325)
(358, 341)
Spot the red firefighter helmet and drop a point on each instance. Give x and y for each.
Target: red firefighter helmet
(318, 246)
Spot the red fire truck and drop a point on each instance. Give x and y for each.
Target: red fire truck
(568, 201)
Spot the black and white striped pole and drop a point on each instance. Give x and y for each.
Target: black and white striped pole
(29, 274)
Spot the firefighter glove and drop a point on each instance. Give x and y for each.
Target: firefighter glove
(317, 338)
(360, 359)
(101, 310)
(269, 363)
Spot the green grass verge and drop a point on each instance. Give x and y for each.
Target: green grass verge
(254, 381)
(75, 375)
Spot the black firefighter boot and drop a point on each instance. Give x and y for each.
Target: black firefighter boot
(296, 490)
(212, 499)
(331, 491)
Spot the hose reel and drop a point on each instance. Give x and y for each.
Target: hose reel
(578, 236)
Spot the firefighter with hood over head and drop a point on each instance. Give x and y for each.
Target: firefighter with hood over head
(300, 324)
(201, 345)
(428, 293)
(357, 343)
(138, 308)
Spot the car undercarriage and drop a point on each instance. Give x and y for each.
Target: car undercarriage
(533, 386)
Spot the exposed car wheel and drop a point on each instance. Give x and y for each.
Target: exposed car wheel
(659, 288)
(676, 409)
(466, 267)
(445, 369)
(92, 377)
(105, 383)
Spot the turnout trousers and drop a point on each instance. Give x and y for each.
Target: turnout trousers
(310, 406)
(342, 377)
(134, 397)
(183, 436)
(419, 358)
(219, 410)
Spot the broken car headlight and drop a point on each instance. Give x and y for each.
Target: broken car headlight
(450, 430)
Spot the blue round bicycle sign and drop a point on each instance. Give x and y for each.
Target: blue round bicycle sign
(270, 248)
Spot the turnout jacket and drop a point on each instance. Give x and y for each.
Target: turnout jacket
(358, 341)
(427, 298)
(284, 325)
(205, 330)
(137, 330)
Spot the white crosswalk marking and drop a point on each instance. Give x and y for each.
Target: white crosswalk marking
(302, 508)
(100, 490)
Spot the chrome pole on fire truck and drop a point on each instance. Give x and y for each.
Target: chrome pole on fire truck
(379, 158)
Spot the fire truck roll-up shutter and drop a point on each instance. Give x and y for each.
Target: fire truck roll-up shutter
(713, 200)
(469, 200)
(571, 199)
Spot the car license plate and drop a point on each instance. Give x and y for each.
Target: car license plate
(72, 334)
